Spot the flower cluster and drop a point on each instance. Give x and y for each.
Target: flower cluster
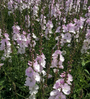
(57, 60)
(6, 46)
(23, 4)
(61, 87)
(48, 30)
(23, 39)
(33, 73)
(47, 18)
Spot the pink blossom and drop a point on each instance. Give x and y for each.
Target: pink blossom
(41, 61)
(67, 36)
(54, 93)
(36, 76)
(71, 27)
(34, 89)
(60, 96)
(58, 29)
(58, 83)
(69, 79)
(16, 29)
(49, 76)
(1, 64)
(29, 72)
(36, 67)
(30, 82)
(66, 89)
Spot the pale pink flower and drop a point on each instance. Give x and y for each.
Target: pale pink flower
(88, 34)
(58, 29)
(64, 28)
(71, 27)
(36, 66)
(61, 58)
(60, 96)
(66, 89)
(88, 21)
(29, 63)
(41, 61)
(88, 9)
(49, 24)
(6, 36)
(32, 96)
(55, 54)
(1, 64)
(49, 76)
(29, 72)
(21, 50)
(36, 76)
(30, 82)
(16, 29)
(69, 79)
(43, 72)
(54, 93)
(58, 84)
(34, 89)
(51, 97)
(62, 75)
(67, 36)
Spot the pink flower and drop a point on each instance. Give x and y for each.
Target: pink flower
(71, 27)
(41, 61)
(1, 64)
(88, 34)
(67, 36)
(56, 53)
(56, 61)
(36, 77)
(54, 93)
(16, 29)
(64, 28)
(6, 36)
(29, 63)
(58, 84)
(61, 58)
(89, 9)
(60, 96)
(29, 72)
(58, 29)
(51, 97)
(36, 67)
(62, 75)
(49, 24)
(69, 79)
(30, 82)
(49, 76)
(24, 33)
(33, 90)
(66, 89)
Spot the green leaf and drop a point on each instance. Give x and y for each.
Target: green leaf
(1, 87)
(87, 61)
(87, 71)
(83, 63)
(1, 82)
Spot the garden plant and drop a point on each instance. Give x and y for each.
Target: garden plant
(44, 49)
